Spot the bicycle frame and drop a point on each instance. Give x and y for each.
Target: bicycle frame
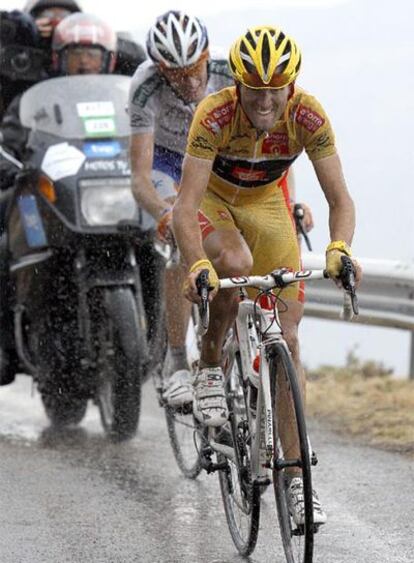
(265, 320)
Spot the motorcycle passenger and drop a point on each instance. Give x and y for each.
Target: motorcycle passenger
(164, 93)
(81, 44)
(25, 41)
(21, 59)
(48, 14)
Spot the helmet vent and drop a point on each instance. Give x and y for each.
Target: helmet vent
(266, 55)
(284, 59)
(247, 60)
(278, 40)
(250, 39)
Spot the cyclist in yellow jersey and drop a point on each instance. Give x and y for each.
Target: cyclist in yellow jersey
(232, 214)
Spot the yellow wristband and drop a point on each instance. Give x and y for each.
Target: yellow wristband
(204, 262)
(340, 245)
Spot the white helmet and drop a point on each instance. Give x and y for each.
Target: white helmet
(177, 40)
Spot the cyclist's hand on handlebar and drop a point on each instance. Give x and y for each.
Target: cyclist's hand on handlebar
(190, 286)
(164, 230)
(334, 265)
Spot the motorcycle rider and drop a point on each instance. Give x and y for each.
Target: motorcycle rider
(25, 46)
(81, 44)
(48, 13)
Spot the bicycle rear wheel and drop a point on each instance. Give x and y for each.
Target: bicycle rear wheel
(291, 453)
(186, 437)
(241, 497)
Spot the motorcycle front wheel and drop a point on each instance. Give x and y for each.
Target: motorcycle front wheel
(123, 353)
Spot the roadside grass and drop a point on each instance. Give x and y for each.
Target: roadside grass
(364, 400)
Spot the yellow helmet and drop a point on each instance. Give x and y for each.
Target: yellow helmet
(264, 57)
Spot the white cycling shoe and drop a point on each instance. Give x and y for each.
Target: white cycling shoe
(210, 405)
(296, 504)
(179, 389)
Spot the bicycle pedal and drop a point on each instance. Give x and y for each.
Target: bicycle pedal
(262, 481)
(314, 459)
(161, 401)
(211, 467)
(299, 531)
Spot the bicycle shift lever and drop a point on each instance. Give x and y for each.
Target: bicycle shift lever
(203, 285)
(299, 214)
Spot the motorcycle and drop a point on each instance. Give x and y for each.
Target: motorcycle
(74, 248)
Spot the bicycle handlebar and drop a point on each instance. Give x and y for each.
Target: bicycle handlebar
(280, 279)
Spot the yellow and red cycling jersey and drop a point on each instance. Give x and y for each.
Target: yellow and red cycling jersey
(247, 189)
(248, 165)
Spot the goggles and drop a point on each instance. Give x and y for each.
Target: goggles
(89, 52)
(55, 15)
(252, 80)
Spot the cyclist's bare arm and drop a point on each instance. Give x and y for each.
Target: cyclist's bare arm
(141, 158)
(341, 206)
(194, 180)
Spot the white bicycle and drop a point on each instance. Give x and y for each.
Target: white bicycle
(260, 444)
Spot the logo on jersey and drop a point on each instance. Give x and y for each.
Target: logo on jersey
(205, 226)
(218, 118)
(308, 118)
(249, 175)
(276, 143)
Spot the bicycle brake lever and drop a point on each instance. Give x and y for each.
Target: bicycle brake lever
(299, 214)
(348, 282)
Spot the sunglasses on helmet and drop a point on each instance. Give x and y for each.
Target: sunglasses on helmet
(185, 71)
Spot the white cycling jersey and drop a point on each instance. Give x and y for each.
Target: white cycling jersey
(154, 107)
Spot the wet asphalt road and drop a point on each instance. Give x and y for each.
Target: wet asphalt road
(77, 498)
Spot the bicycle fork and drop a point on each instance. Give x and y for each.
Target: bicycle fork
(263, 444)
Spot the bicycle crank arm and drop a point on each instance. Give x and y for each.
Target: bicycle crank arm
(282, 464)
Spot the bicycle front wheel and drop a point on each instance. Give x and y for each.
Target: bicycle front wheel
(291, 456)
(241, 497)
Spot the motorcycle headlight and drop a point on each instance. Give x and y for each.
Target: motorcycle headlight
(106, 201)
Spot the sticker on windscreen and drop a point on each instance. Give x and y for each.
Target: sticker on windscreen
(100, 127)
(95, 109)
(103, 149)
(62, 160)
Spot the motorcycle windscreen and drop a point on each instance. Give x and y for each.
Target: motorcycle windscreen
(78, 107)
